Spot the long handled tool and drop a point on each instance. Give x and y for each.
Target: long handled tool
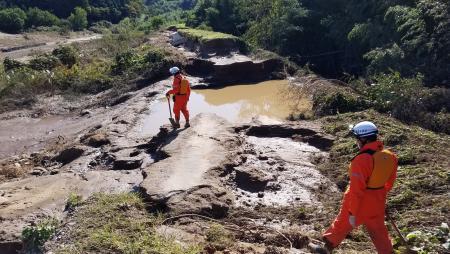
(172, 121)
(403, 239)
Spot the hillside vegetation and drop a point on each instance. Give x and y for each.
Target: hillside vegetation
(16, 16)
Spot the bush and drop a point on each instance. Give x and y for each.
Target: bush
(78, 19)
(37, 17)
(12, 20)
(127, 61)
(92, 78)
(44, 62)
(68, 55)
(337, 102)
(34, 237)
(11, 64)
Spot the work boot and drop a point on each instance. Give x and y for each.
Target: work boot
(177, 124)
(320, 248)
(187, 125)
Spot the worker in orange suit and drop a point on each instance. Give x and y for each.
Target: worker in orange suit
(181, 92)
(372, 174)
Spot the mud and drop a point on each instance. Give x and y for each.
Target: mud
(240, 162)
(24, 52)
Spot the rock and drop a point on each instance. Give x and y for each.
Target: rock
(97, 140)
(251, 179)
(54, 172)
(126, 160)
(122, 99)
(37, 171)
(204, 200)
(176, 39)
(85, 112)
(260, 194)
(70, 154)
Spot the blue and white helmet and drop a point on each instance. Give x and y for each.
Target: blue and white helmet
(364, 129)
(174, 70)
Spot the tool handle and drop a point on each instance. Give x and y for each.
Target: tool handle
(404, 241)
(170, 108)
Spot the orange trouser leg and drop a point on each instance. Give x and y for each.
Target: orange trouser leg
(181, 106)
(379, 234)
(340, 227)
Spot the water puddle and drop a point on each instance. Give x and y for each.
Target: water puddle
(264, 102)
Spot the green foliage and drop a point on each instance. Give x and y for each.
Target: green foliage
(336, 37)
(78, 19)
(11, 64)
(12, 20)
(219, 237)
(92, 78)
(337, 102)
(44, 62)
(68, 55)
(151, 62)
(203, 36)
(73, 201)
(37, 17)
(34, 237)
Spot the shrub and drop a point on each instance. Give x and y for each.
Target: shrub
(37, 17)
(78, 19)
(91, 78)
(127, 61)
(73, 201)
(68, 55)
(64, 27)
(34, 237)
(11, 64)
(337, 102)
(156, 22)
(44, 62)
(12, 20)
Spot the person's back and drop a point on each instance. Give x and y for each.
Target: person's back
(372, 175)
(181, 92)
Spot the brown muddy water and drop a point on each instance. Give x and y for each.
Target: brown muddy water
(264, 102)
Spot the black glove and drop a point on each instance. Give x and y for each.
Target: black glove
(173, 99)
(167, 94)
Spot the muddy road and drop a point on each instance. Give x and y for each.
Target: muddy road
(23, 47)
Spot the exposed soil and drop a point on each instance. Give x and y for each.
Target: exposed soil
(22, 47)
(259, 178)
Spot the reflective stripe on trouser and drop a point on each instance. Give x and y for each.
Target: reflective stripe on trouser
(371, 216)
(181, 106)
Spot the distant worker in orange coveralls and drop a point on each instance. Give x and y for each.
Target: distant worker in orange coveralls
(372, 175)
(181, 92)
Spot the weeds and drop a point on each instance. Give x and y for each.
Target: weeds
(218, 237)
(73, 201)
(118, 224)
(34, 237)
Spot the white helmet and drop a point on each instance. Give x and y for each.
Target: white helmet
(174, 70)
(364, 129)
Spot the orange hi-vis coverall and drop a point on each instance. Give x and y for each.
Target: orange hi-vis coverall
(367, 205)
(181, 100)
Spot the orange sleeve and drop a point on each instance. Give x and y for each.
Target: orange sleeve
(175, 86)
(360, 170)
(390, 183)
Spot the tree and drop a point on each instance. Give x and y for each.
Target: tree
(78, 19)
(37, 17)
(12, 20)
